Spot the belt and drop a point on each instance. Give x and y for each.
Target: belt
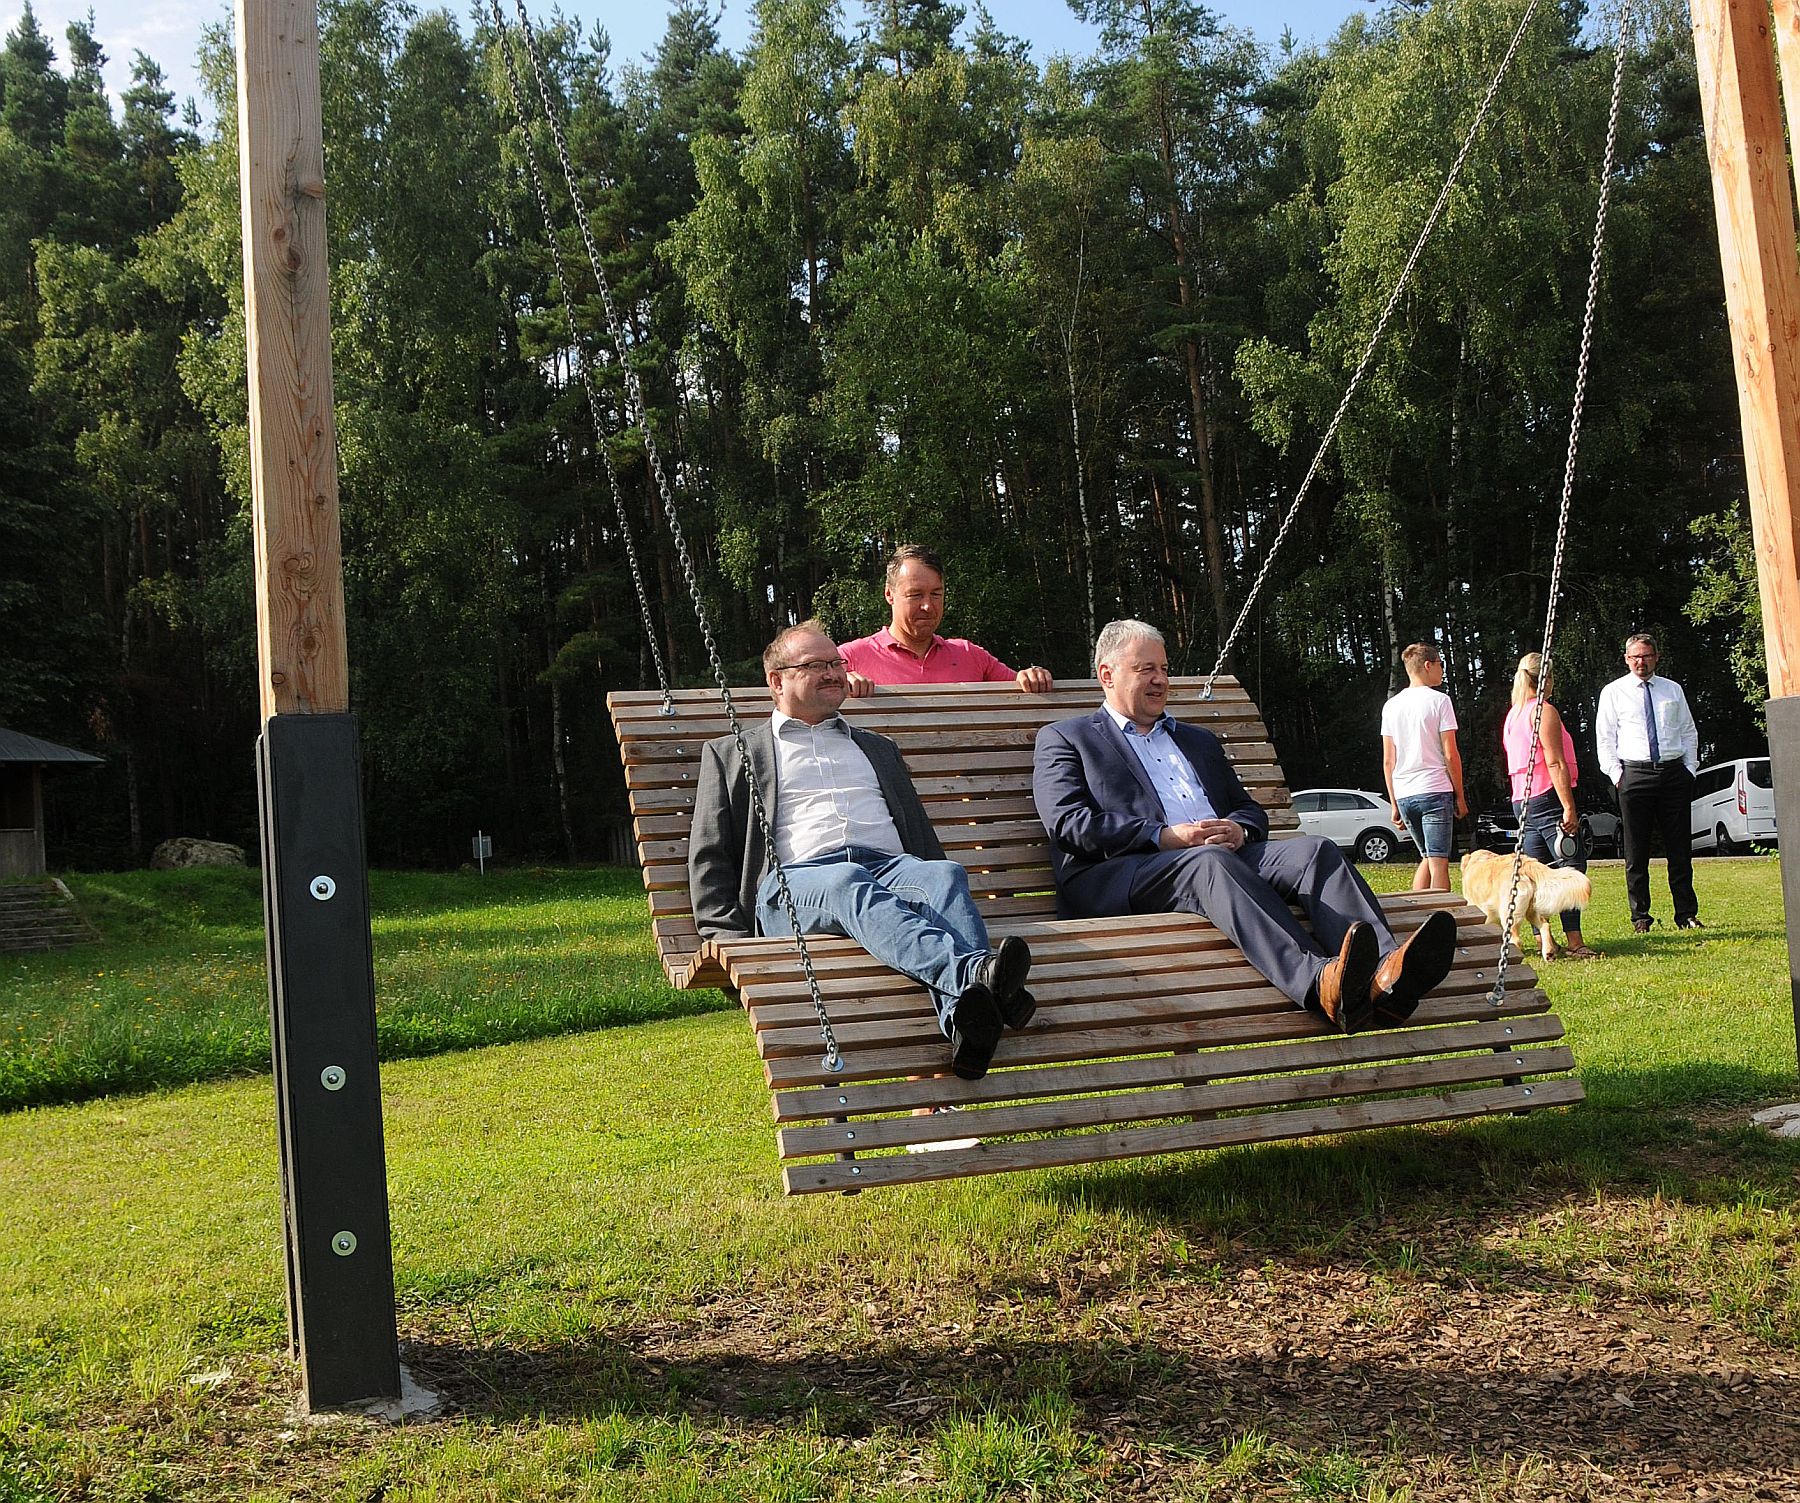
(1669, 762)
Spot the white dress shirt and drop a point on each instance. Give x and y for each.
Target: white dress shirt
(1170, 773)
(827, 794)
(1622, 735)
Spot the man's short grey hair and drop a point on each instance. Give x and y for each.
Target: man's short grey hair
(1117, 635)
(1644, 637)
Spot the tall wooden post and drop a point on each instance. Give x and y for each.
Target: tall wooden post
(1754, 200)
(315, 878)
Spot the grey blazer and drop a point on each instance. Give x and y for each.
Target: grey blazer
(727, 855)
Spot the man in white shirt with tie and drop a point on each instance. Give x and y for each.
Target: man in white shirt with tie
(858, 850)
(1650, 748)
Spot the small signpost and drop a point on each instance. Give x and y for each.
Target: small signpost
(482, 848)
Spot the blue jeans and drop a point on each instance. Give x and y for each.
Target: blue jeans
(1431, 817)
(1542, 818)
(914, 916)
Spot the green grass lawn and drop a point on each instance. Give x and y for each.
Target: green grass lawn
(177, 989)
(596, 1269)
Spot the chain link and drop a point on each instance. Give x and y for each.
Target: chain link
(640, 414)
(565, 292)
(1368, 354)
(1498, 995)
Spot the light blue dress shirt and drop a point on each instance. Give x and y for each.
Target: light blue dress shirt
(1169, 771)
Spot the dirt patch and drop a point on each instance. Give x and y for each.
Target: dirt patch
(1540, 1393)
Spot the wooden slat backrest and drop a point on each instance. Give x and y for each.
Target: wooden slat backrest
(968, 747)
(1152, 1033)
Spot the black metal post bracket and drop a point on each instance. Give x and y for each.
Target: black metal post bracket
(327, 1086)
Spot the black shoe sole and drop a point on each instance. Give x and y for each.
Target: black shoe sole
(1429, 957)
(1018, 1009)
(1361, 961)
(1360, 966)
(974, 1032)
(1011, 965)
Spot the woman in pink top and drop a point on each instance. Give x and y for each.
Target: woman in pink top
(1550, 760)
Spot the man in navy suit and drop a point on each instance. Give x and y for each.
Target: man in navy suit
(1145, 815)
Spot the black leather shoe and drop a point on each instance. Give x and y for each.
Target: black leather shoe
(974, 1032)
(1017, 1009)
(1641, 926)
(1689, 923)
(1003, 973)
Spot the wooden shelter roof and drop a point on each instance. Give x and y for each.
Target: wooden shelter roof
(16, 746)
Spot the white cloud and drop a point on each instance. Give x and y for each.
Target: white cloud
(166, 31)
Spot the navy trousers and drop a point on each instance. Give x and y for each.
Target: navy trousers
(1247, 892)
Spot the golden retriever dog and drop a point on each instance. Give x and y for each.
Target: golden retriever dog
(1544, 892)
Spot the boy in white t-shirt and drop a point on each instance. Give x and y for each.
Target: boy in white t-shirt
(1422, 765)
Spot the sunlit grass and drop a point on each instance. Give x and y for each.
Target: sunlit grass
(590, 1244)
(177, 990)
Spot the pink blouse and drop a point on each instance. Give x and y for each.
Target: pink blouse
(1522, 748)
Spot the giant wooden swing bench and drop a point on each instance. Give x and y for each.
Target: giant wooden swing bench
(1152, 1033)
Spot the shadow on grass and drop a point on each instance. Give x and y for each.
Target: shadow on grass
(1384, 1244)
(1170, 1389)
(1658, 1128)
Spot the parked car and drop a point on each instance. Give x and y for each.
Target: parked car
(1498, 829)
(1602, 830)
(1359, 821)
(1734, 806)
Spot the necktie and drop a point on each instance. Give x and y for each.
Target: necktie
(1650, 722)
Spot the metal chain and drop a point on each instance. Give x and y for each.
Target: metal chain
(1498, 995)
(565, 292)
(640, 414)
(1368, 354)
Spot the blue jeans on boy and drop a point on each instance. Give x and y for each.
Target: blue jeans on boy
(1542, 819)
(1431, 817)
(915, 916)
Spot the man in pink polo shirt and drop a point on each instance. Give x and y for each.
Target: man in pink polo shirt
(908, 649)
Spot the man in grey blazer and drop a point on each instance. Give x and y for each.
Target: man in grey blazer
(859, 853)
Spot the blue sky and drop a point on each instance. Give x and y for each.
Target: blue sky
(169, 30)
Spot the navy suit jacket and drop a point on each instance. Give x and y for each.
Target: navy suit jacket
(1102, 812)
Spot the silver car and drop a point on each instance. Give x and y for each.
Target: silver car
(1359, 821)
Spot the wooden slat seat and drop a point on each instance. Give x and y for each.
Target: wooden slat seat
(1152, 1034)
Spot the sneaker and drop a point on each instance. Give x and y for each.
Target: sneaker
(1689, 923)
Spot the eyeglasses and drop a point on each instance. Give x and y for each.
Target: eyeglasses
(815, 665)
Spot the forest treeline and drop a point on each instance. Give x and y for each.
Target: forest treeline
(1078, 324)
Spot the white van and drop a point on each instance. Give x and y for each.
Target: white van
(1734, 806)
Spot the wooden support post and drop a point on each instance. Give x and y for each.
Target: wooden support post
(1753, 197)
(315, 880)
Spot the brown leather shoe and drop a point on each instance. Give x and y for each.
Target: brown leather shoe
(1411, 971)
(1342, 991)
